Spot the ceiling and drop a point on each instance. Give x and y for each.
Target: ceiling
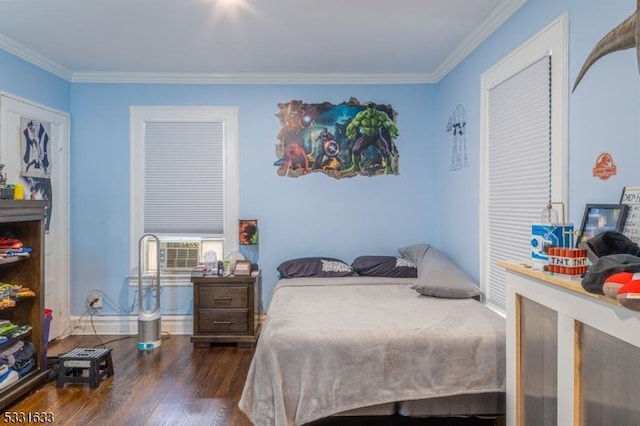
(249, 40)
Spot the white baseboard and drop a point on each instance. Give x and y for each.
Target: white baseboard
(128, 325)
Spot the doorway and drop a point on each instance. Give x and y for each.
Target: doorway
(44, 173)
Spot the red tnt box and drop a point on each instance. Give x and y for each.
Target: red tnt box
(567, 261)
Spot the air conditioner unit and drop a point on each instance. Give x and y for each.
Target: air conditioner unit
(179, 255)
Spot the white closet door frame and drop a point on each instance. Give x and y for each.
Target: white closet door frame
(57, 238)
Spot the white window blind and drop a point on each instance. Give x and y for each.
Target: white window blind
(184, 177)
(184, 180)
(519, 168)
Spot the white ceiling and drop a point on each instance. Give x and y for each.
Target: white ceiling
(257, 40)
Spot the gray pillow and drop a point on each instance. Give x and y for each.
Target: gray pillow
(438, 276)
(415, 253)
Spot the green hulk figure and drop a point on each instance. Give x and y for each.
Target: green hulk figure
(370, 122)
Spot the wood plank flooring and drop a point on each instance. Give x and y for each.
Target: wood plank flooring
(171, 385)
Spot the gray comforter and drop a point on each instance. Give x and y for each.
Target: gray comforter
(332, 345)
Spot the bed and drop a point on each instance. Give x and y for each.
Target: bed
(369, 345)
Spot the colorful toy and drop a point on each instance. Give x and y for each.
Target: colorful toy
(615, 282)
(550, 232)
(567, 261)
(629, 295)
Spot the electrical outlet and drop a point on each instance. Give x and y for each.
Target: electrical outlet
(94, 300)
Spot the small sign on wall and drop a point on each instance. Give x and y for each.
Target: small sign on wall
(604, 167)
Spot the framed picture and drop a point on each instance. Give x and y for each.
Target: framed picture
(631, 197)
(243, 268)
(599, 218)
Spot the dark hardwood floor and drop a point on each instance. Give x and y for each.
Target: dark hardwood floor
(171, 385)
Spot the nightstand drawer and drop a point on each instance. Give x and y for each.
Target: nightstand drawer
(223, 321)
(224, 297)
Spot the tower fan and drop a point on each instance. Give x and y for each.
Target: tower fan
(149, 319)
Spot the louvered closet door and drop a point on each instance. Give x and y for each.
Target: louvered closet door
(519, 171)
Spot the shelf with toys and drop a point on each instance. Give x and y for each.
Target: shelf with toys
(22, 314)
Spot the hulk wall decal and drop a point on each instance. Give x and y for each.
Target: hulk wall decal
(344, 140)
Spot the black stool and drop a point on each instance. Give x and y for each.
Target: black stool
(72, 366)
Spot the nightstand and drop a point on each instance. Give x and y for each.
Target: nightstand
(226, 310)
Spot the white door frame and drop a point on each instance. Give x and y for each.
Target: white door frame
(56, 273)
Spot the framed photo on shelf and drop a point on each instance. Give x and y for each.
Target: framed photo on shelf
(243, 268)
(599, 218)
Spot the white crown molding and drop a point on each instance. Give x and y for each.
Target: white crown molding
(34, 58)
(117, 325)
(249, 78)
(495, 19)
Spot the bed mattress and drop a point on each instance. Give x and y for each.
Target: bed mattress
(333, 345)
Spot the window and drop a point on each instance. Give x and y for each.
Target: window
(523, 138)
(184, 183)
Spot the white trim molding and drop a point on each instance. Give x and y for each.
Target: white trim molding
(252, 78)
(477, 37)
(35, 58)
(128, 325)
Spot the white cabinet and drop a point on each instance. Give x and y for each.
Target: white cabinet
(573, 358)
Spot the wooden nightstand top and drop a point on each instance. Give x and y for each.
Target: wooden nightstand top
(212, 279)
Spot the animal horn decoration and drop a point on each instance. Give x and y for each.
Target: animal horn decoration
(624, 36)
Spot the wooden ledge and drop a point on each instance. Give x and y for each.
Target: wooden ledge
(569, 283)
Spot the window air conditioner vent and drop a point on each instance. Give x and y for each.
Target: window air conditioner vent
(179, 255)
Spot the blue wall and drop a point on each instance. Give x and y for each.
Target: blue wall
(304, 216)
(23, 79)
(603, 115)
(345, 218)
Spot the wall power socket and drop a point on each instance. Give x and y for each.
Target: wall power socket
(96, 298)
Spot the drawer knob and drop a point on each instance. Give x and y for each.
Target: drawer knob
(222, 322)
(222, 298)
